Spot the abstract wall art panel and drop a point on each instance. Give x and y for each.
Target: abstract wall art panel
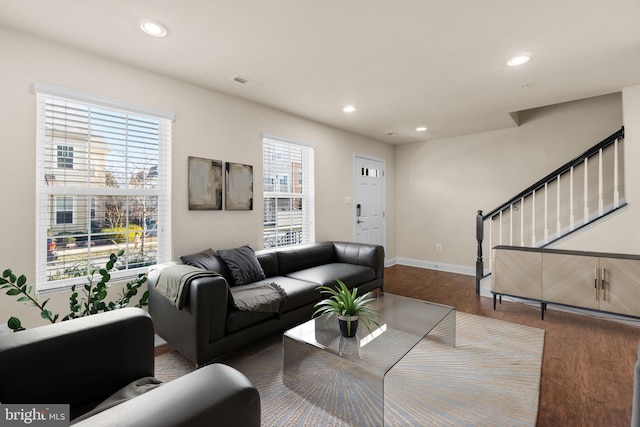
(239, 186)
(205, 184)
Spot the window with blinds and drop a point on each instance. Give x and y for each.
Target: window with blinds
(102, 185)
(289, 200)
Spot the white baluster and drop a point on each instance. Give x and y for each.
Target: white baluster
(546, 213)
(586, 191)
(558, 225)
(616, 193)
(500, 224)
(511, 225)
(533, 219)
(490, 243)
(572, 217)
(600, 185)
(522, 221)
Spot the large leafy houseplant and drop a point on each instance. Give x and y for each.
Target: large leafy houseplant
(347, 305)
(95, 292)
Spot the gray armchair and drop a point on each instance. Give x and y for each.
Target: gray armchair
(84, 361)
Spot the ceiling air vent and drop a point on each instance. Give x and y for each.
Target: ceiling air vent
(244, 81)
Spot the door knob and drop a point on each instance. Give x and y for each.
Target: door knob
(359, 221)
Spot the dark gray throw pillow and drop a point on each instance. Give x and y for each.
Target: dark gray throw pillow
(243, 265)
(205, 259)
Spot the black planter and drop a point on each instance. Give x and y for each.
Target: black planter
(348, 330)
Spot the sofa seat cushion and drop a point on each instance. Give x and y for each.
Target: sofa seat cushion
(326, 275)
(128, 392)
(299, 294)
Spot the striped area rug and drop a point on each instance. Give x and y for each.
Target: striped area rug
(490, 378)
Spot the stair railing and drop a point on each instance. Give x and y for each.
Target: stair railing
(565, 180)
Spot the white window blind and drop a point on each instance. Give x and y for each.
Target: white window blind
(289, 199)
(102, 185)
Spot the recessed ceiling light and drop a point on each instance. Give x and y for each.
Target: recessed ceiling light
(349, 109)
(152, 28)
(421, 128)
(518, 60)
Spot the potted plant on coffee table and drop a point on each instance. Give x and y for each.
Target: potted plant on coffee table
(348, 307)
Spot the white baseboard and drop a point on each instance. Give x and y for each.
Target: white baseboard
(434, 265)
(390, 262)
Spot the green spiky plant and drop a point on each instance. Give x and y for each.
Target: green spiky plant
(347, 303)
(94, 292)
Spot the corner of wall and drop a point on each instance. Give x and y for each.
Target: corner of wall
(620, 234)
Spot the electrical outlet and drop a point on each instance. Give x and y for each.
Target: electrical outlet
(438, 247)
(4, 329)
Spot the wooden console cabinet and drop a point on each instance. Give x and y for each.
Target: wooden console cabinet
(590, 280)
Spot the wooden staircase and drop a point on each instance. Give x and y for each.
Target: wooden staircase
(579, 194)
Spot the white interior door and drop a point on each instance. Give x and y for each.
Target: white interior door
(369, 214)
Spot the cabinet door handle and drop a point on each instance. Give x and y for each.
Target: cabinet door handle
(602, 282)
(595, 283)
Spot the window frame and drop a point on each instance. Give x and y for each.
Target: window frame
(273, 171)
(47, 189)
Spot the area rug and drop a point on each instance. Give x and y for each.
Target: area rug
(490, 378)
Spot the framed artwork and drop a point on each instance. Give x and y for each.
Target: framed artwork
(205, 184)
(239, 186)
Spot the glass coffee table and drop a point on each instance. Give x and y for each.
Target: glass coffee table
(345, 376)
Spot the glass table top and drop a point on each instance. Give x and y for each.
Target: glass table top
(403, 323)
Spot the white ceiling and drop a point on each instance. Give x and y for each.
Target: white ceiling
(402, 63)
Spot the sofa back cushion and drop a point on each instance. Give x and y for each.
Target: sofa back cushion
(301, 257)
(268, 259)
(209, 260)
(354, 253)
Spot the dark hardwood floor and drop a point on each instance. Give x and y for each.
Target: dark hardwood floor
(587, 366)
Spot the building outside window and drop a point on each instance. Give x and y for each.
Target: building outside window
(64, 210)
(65, 157)
(103, 186)
(289, 200)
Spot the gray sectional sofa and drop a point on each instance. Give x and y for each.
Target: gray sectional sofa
(209, 324)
